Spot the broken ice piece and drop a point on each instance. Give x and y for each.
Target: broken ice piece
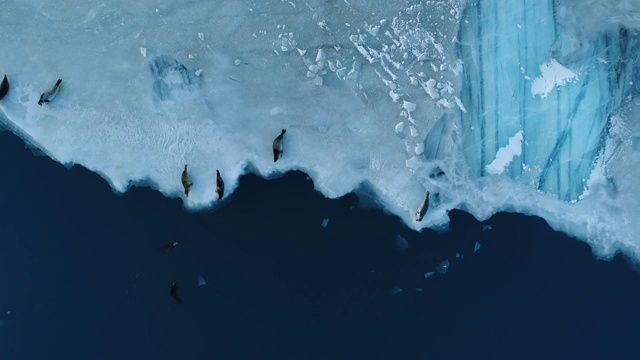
(325, 222)
(201, 281)
(476, 247)
(443, 267)
(401, 243)
(428, 274)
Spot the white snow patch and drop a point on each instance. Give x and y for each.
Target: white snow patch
(552, 74)
(505, 155)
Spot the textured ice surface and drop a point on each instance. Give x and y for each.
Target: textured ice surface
(488, 106)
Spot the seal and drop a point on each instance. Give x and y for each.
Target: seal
(174, 293)
(277, 146)
(423, 208)
(219, 185)
(4, 87)
(50, 94)
(186, 181)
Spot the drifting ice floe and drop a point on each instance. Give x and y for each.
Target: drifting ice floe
(443, 267)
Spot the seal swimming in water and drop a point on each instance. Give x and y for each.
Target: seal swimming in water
(219, 185)
(50, 94)
(174, 293)
(4, 87)
(423, 208)
(277, 146)
(186, 181)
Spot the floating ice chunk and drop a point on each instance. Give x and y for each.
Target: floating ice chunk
(402, 243)
(419, 289)
(201, 281)
(505, 155)
(409, 106)
(443, 267)
(430, 88)
(395, 291)
(9, 312)
(198, 72)
(476, 247)
(143, 51)
(399, 127)
(457, 255)
(201, 36)
(487, 228)
(428, 274)
(552, 74)
(325, 222)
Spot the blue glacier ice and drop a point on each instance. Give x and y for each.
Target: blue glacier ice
(490, 105)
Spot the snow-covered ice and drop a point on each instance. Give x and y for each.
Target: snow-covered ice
(528, 108)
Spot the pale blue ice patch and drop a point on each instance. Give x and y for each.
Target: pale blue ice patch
(201, 281)
(401, 243)
(395, 291)
(443, 267)
(325, 222)
(428, 274)
(476, 247)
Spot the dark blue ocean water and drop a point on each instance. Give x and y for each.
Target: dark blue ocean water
(83, 277)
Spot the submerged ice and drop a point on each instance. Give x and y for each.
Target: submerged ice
(528, 107)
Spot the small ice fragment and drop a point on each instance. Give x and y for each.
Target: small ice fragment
(143, 51)
(198, 72)
(401, 243)
(409, 106)
(419, 289)
(457, 255)
(487, 227)
(201, 36)
(477, 247)
(237, 61)
(201, 281)
(395, 291)
(443, 267)
(9, 312)
(428, 274)
(325, 222)
(1, 322)
(399, 127)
